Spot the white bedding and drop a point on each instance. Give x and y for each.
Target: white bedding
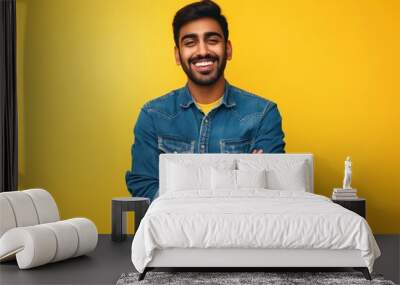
(250, 218)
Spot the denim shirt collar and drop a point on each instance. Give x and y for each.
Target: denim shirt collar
(187, 98)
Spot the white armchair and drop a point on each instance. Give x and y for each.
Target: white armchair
(31, 230)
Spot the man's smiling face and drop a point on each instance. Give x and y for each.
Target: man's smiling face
(202, 51)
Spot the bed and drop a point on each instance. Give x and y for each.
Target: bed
(245, 211)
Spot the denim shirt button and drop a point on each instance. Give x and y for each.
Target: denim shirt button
(202, 146)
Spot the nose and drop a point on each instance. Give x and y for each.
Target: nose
(202, 48)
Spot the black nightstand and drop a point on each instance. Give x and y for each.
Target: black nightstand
(357, 206)
(119, 207)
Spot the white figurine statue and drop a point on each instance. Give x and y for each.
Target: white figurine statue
(347, 174)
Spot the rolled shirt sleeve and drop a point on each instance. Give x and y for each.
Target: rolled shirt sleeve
(269, 136)
(142, 180)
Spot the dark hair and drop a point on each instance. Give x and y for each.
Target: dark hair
(198, 10)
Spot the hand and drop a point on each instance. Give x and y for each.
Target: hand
(257, 151)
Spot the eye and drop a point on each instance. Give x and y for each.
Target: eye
(213, 40)
(189, 43)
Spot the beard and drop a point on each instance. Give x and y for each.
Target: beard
(205, 79)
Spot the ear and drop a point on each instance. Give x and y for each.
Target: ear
(228, 50)
(177, 58)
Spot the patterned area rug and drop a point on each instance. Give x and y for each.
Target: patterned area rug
(243, 278)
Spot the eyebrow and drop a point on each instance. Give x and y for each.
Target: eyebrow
(206, 35)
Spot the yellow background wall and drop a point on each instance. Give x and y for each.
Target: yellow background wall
(86, 67)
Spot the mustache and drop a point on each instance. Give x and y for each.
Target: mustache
(207, 57)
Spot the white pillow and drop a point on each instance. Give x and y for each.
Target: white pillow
(251, 178)
(183, 174)
(183, 178)
(223, 179)
(227, 179)
(281, 174)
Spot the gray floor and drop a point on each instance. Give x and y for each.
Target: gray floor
(389, 262)
(110, 260)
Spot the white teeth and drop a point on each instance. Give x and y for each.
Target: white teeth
(203, 63)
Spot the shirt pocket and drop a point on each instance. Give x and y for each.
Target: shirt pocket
(175, 144)
(238, 145)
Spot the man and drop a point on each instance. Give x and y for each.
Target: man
(208, 115)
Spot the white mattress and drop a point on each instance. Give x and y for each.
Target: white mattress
(251, 219)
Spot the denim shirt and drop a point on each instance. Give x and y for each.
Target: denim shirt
(173, 124)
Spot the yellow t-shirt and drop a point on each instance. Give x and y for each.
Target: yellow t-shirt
(206, 108)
